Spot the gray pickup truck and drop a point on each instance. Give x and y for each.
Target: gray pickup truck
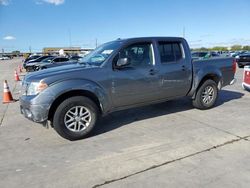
(118, 75)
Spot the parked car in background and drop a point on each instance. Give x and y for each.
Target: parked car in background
(119, 75)
(75, 58)
(53, 62)
(238, 53)
(31, 57)
(4, 57)
(212, 55)
(198, 55)
(246, 78)
(204, 55)
(243, 60)
(29, 65)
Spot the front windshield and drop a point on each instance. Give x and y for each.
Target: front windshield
(100, 54)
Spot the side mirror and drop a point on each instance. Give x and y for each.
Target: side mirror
(122, 62)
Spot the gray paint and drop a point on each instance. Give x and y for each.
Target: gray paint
(122, 89)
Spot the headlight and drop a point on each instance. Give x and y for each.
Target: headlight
(36, 87)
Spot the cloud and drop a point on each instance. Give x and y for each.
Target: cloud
(55, 2)
(9, 38)
(4, 2)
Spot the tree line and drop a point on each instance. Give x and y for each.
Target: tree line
(222, 48)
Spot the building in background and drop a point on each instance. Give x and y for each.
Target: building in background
(66, 50)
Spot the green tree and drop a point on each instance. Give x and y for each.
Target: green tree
(236, 47)
(246, 48)
(203, 49)
(219, 48)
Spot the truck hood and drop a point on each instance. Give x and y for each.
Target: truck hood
(60, 71)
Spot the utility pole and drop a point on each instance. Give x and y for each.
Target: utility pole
(30, 49)
(70, 44)
(184, 32)
(96, 43)
(2, 51)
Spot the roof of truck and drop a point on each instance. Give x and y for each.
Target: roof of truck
(150, 38)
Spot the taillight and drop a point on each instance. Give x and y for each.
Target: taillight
(234, 66)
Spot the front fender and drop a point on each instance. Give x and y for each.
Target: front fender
(59, 88)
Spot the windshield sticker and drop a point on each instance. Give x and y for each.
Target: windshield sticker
(108, 52)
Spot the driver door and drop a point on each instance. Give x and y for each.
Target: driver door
(137, 82)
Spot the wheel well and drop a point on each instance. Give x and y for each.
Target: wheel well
(210, 77)
(69, 94)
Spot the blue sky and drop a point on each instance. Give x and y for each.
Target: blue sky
(52, 23)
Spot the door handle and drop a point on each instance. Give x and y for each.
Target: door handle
(183, 68)
(153, 71)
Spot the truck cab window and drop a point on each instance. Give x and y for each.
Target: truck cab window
(170, 52)
(138, 54)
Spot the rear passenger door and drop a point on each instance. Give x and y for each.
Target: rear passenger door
(175, 72)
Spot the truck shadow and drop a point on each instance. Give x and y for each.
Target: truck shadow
(125, 117)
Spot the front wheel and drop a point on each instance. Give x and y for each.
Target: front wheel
(206, 95)
(75, 117)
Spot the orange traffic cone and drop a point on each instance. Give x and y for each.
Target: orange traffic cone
(16, 76)
(7, 96)
(20, 68)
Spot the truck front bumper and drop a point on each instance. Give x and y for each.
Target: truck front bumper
(36, 113)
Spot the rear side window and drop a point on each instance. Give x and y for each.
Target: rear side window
(170, 51)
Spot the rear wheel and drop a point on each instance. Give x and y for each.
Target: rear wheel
(206, 95)
(75, 117)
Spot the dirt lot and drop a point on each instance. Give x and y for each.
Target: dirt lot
(164, 145)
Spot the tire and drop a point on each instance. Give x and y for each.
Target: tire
(36, 68)
(29, 69)
(206, 95)
(67, 125)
